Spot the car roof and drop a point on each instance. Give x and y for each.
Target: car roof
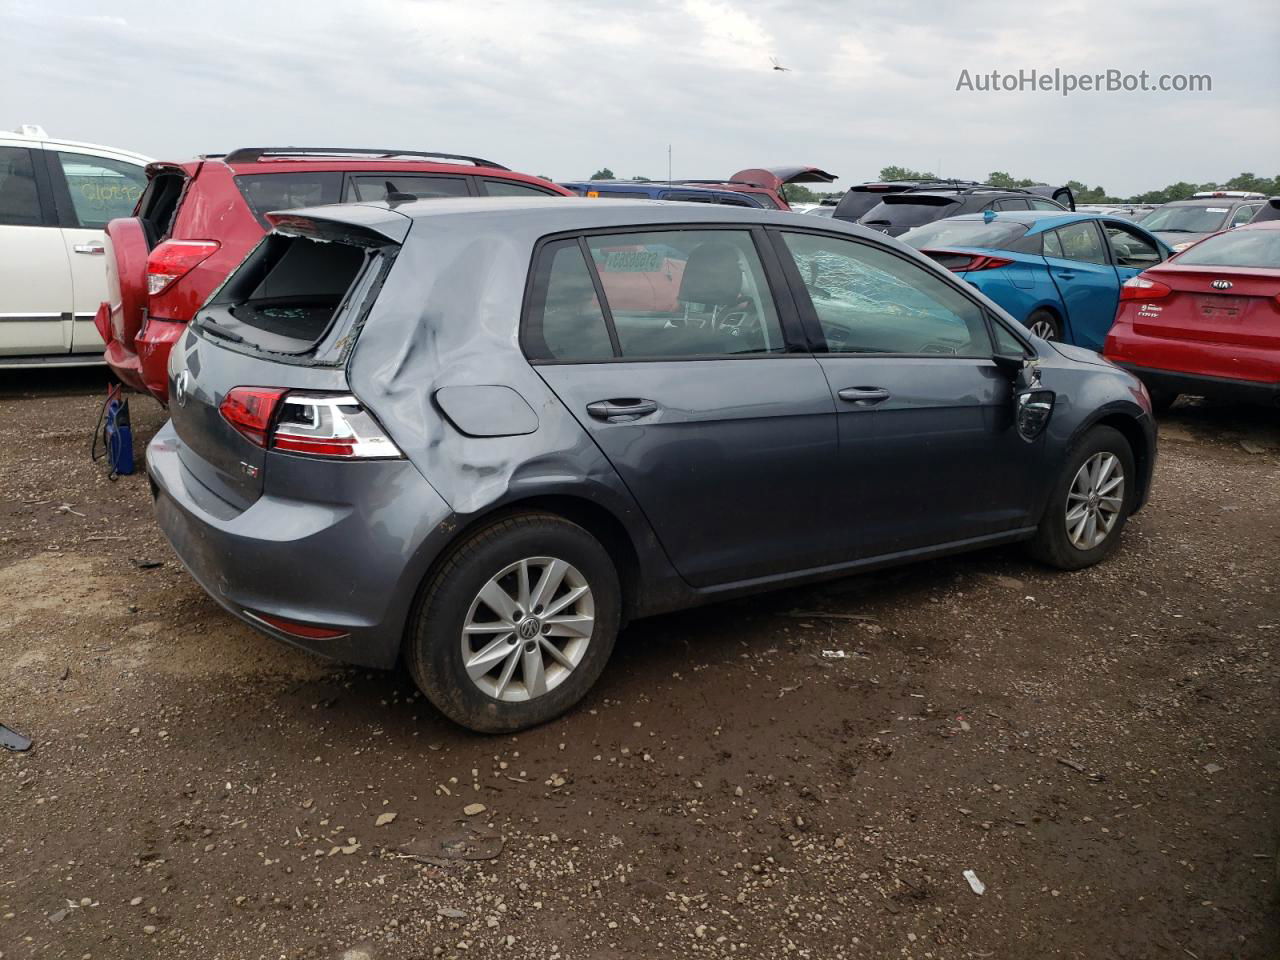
(644, 185)
(539, 216)
(1039, 220)
(1211, 201)
(43, 140)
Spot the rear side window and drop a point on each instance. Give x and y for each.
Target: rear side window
(284, 297)
(160, 203)
(1081, 241)
(266, 192)
(565, 320)
(870, 301)
(381, 186)
(511, 188)
(101, 188)
(19, 200)
(667, 295)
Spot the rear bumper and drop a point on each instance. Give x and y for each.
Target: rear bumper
(353, 563)
(143, 365)
(1219, 388)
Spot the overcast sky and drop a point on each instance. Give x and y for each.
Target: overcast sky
(567, 87)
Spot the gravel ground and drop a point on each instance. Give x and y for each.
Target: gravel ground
(1099, 748)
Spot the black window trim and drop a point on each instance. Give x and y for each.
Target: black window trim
(788, 321)
(809, 316)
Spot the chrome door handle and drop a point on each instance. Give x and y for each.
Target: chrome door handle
(864, 396)
(94, 248)
(621, 411)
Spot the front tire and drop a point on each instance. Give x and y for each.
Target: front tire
(516, 625)
(1090, 503)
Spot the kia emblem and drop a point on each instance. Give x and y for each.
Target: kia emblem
(180, 388)
(1221, 284)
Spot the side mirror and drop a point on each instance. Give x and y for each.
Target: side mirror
(1034, 407)
(1011, 363)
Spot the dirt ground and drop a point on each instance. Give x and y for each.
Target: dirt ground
(1101, 749)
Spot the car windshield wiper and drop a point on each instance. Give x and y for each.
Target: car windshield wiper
(206, 324)
(1176, 230)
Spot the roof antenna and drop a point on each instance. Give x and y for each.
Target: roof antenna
(395, 196)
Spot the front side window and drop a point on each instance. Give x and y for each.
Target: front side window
(101, 189)
(288, 191)
(667, 295)
(19, 200)
(1242, 215)
(1080, 241)
(870, 301)
(1129, 249)
(380, 186)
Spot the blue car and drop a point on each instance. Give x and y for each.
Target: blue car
(1057, 273)
(655, 190)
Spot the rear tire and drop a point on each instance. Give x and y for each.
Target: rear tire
(1044, 325)
(1066, 538)
(493, 680)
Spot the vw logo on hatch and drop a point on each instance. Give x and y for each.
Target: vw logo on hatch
(1221, 284)
(180, 388)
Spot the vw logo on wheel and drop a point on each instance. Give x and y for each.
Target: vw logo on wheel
(1221, 284)
(528, 629)
(180, 388)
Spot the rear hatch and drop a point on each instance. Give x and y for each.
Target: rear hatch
(285, 320)
(1241, 310)
(897, 213)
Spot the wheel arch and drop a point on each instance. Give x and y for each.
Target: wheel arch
(601, 522)
(1129, 424)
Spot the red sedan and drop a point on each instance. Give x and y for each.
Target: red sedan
(1207, 321)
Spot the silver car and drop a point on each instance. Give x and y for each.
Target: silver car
(483, 435)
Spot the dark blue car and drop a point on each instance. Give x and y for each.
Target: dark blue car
(655, 190)
(1057, 273)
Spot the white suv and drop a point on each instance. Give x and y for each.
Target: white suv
(55, 198)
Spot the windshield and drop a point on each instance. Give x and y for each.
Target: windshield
(1189, 219)
(996, 235)
(1239, 248)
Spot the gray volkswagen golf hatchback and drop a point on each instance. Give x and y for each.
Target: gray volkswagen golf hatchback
(483, 435)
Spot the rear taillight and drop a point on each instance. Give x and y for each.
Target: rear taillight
(967, 262)
(1142, 288)
(174, 259)
(313, 424)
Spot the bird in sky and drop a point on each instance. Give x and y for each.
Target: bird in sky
(778, 66)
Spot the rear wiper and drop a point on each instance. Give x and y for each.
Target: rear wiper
(1176, 230)
(207, 325)
(877, 221)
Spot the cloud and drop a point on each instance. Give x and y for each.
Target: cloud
(566, 87)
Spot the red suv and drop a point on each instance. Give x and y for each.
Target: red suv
(196, 221)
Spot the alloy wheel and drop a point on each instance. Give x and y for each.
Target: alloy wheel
(528, 628)
(1044, 329)
(1095, 500)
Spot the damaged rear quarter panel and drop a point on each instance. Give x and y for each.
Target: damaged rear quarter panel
(448, 317)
